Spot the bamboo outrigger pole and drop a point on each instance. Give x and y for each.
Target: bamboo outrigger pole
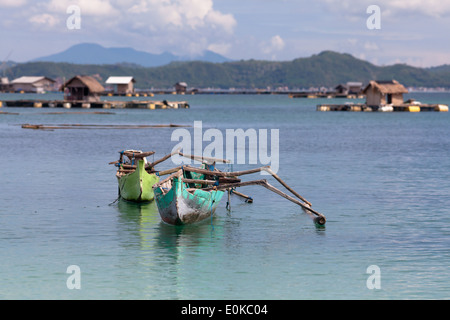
(167, 156)
(269, 170)
(318, 219)
(202, 159)
(250, 171)
(222, 174)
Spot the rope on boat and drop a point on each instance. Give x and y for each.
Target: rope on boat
(210, 208)
(228, 206)
(114, 201)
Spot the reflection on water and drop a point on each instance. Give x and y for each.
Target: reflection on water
(163, 249)
(154, 232)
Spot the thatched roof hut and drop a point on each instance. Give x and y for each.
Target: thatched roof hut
(83, 88)
(384, 92)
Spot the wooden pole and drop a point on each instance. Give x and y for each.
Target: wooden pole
(243, 196)
(162, 159)
(239, 173)
(169, 171)
(320, 219)
(176, 174)
(220, 173)
(93, 126)
(269, 170)
(201, 159)
(199, 181)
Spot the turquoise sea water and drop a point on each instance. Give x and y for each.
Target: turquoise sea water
(381, 179)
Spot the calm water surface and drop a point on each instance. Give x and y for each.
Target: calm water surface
(381, 179)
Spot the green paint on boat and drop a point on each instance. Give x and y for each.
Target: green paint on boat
(138, 185)
(179, 205)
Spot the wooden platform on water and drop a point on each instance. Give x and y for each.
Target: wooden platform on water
(316, 95)
(135, 104)
(399, 108)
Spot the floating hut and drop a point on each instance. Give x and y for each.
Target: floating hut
(39, 84)
(349, 88)
(83, 88)
(384, 96)
(124, 85)
(380, 93)
(4, 84)
(180, 87)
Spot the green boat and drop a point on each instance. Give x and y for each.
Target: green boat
(180, 202)
(135, 183)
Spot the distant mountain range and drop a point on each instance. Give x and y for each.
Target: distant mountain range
(327, 69)
(90, 53)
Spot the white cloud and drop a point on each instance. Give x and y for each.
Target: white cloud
(12, 3)
(44, 20)
(186, 25)
(433, 8)
(191, 15)
(221, 48)
(179, 26)
(88, 7)
(390, 8)
(218, 20)
(371, 46)
(275, 44)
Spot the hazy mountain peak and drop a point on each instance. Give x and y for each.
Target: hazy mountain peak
(92, 53)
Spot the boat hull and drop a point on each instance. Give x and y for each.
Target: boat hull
(179, 206)
(138, 185)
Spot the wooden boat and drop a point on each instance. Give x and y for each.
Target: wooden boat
(181, 198)
(190, 194)
(135, 183)
(182, 203)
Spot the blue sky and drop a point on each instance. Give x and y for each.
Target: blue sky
(413, 32)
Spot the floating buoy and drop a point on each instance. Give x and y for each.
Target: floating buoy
(323, 108)
(439, 107)
(355, 108)
(413, 109)
(386, 109)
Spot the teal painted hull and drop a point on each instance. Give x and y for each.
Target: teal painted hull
(179, 205)
(138, 185)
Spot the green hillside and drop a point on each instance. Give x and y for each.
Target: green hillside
(325, 69)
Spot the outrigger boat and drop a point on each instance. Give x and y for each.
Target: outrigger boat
(192, 194)
(136, 176)
(135, 183)
(180, 198)
(180, 204)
